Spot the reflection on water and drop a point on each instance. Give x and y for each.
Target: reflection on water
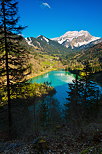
(43, 114)
(59, 80)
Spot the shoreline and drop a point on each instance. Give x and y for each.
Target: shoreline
(96, 76)
(41, 73)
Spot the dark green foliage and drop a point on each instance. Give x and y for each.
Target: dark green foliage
(73, 107)
(89, 88)
(12, 54)
(25, 91)
(43, 114)
(92, 54)
(83, 97)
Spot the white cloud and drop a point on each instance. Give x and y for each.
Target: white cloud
(46, 5)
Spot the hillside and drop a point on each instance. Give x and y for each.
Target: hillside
(92, 54)
(46, 55)
(41, 61)
(47, 45)
(71, 48)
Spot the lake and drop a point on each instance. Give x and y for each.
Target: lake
(59, 80)
(27, 118)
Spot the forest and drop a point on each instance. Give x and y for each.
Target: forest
(31, 119)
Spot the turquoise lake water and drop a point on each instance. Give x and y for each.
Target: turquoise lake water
(59, 80)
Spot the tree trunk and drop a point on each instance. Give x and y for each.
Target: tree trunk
(7, 73)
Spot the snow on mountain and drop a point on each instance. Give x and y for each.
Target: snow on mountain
(75, 38)
(91, 44)
(43, 38)
(70, 40)
(29, 41)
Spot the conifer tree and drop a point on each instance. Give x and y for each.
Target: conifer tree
(89, 90)
(12, 55)
(83, 94)
(74, 99)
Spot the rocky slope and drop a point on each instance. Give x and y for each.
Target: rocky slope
(75, 39)
(47, 45)
(70, 41)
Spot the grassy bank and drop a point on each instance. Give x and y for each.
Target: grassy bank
(40, 73)
(42, 64)
(25, 91)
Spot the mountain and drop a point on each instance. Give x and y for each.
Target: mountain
(75, 39)
(91, 44)
(46, 45)
(41, 60)
(93, 53)
(70, 41)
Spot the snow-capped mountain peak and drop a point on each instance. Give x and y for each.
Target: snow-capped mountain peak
(43, 38)
(75, 38)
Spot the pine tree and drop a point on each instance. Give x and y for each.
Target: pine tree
(83, 94)
(43, 114)
(90, 94)
(89, 90)
(72, 107)
(12, 55)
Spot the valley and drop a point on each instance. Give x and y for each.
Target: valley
(46, 55)
(50, 54)
(50, 77)
(42, 103)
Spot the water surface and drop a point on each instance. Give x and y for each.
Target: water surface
(59, 80)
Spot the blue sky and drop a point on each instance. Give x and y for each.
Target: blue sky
(52, 18)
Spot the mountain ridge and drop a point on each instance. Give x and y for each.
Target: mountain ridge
(75, 39)
(47, 45)
(71, 40)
